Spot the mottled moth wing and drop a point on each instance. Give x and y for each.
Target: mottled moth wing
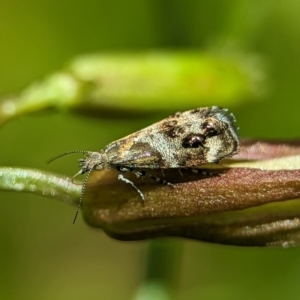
(184, 140)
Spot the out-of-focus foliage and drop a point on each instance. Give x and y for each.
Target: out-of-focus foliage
(139, 83)
(43, 256)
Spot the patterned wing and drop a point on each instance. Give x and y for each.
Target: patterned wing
(184, 140)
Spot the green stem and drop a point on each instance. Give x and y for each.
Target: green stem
(39, 182)
(163, 261)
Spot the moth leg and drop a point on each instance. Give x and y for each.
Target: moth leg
(122, 178)
(141, 174)
(203, 172)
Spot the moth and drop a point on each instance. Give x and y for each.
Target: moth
(184, 140)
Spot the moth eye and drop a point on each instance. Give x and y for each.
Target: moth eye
(193, 141)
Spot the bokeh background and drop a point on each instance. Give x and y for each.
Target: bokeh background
(42, 255)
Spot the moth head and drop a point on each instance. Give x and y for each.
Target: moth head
(91, 161)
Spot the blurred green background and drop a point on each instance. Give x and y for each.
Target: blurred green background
(42, 255)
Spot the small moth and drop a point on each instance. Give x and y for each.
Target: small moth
(184, 140)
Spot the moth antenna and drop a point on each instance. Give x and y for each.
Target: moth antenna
(66, 153)
(78, 173)
(82, 191)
